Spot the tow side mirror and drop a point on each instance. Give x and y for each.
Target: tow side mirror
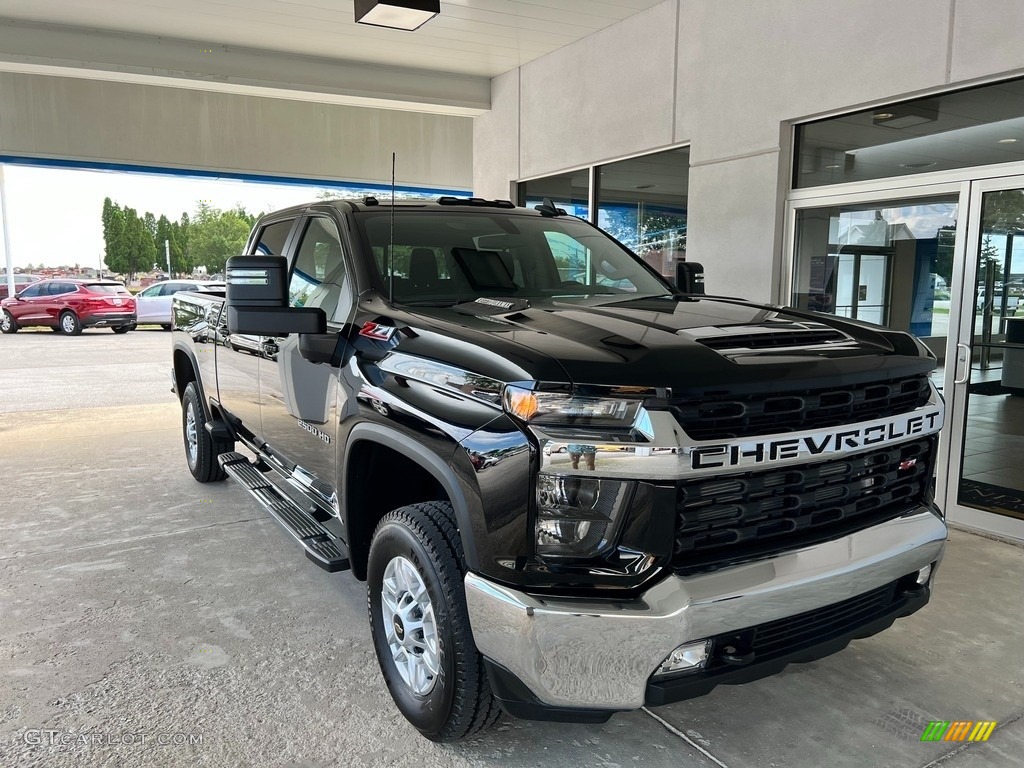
(257, 299)
(690, 277)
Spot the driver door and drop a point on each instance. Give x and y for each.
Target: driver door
(299, 400)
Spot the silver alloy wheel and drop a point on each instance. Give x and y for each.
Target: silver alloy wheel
(410, 626)
(67, 322)
(5, 321)
(191, 436)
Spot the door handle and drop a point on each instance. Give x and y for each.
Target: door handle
(967, 359)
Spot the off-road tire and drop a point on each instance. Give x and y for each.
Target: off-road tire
(461, 703)
(203, 462)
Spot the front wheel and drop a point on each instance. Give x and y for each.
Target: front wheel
(420, 623)
(201, 450)
(121, 328)
(70, 325)
(8, 323)
(165, 326)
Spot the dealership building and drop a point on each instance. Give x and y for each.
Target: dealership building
(863, 158)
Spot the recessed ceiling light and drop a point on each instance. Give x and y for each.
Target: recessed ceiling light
(1007, 141)
(884, 115)
(833, 167)
(408, 15)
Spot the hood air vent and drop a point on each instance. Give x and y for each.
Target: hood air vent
(775, 339)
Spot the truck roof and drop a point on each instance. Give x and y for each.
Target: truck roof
(370, 203)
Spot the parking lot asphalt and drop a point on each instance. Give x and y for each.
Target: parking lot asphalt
(147, 620)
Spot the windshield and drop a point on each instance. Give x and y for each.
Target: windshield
(447, 258)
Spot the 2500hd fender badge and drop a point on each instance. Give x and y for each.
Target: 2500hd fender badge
(816, 443)
(314, 431)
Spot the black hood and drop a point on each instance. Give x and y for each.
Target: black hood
(696, 346)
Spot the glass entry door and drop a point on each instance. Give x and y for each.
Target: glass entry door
(985, 388)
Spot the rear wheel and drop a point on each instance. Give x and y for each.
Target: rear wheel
(166, 326)
(201, 450)
(121, 328)
(70, 325)
(8, 323)
(420, 623)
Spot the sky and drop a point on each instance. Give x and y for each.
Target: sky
(53, 214)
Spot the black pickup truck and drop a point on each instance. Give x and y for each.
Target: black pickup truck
(572, 488)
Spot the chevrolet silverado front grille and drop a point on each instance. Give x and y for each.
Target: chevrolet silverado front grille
(725, 417)
(757, 514)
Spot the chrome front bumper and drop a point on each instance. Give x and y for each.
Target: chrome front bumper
(589, 654)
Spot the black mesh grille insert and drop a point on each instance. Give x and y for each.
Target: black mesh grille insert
(777, 638)
(724, 417)
(758, 514)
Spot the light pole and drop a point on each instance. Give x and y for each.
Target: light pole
(167, 251)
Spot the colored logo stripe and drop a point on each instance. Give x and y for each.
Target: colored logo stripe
(935, 730)
(958, 730)
(982, 731)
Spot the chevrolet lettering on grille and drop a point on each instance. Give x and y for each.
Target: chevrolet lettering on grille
(791, 448)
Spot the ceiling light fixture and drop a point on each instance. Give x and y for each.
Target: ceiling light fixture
(833, 166)
(396, 14)
(1007, 141)
(908, 115)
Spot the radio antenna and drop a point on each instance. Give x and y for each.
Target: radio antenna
(391, 245)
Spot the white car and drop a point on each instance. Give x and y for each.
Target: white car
(153, 304)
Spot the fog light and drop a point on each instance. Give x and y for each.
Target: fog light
(578, 516)
(686, 658)
(924, 574)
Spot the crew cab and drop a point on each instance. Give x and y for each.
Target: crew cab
(402, 378)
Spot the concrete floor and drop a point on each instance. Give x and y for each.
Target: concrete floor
(137, 605)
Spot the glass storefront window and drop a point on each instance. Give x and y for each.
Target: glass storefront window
(961, 129)
(889, 263)
(642, 203)
(569, 191)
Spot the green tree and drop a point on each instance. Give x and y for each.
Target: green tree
(114, 237)
(214, 235)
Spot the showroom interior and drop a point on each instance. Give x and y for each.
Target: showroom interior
(864, 159)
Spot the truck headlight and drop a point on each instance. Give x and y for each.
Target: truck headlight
(578, 516)
(559, 408)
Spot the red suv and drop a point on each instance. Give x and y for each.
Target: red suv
(69, 306)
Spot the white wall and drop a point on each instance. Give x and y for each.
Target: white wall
(94, 120)
(729, 77)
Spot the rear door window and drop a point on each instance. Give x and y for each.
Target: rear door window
(56, 289)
